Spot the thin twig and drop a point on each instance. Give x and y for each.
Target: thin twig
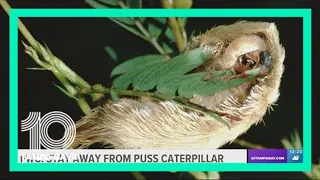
(63, 68)
(152, 40)
(144, 31)
(177, 33)
(175, 27)
(183, 32)
(124, 26)
(52, 62)
(199, 175)
(138, 175)
(82, 103)
(64, 81)
(24, 31)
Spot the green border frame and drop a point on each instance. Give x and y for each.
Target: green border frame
(13, 87)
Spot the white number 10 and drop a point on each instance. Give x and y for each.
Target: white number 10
(39, 126)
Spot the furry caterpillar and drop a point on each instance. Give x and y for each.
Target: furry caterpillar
(145, 124)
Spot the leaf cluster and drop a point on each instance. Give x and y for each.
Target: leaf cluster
(172, 78)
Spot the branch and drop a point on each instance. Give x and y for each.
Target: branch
(148, 36)
(81, 101)
(50, 62)
(198, 175)
(138, 175)
(183, 31)
(181, 42)
(24, 31)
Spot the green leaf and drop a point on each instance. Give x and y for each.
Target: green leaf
(286, 144)
(182, 21)
(294, 142)
(129, 28)
(114, 96)
(141, 19)
(160, 20)
(123, 81)
(154, 30)
(172, 82)
(128, 21)
(156, 26)
(124, 20)
(110, 2)
(95, 4)
(169, 34)
(147, 77)
(170, 85)
(134, 3)
(179, 65)
(213, 175)
(166, 47)
(197, 86)
(112, 53)
(169, 77)
(135, 63)
(65, 92)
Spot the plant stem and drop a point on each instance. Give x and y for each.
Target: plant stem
(138, 175)
(82, 103)
(55, 63)
(175, 27)
(148, 36)
(21, 27)
(198, 175)
(70, 74)
(183, 32)
(177, 33)
(121, 92)
(134, 32)
(152, 40)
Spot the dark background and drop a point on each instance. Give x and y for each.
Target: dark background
(79, 42)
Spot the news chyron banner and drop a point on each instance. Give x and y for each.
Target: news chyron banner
(161, 156)
(134, 156)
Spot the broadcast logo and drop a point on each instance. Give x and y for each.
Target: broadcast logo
(38, 129)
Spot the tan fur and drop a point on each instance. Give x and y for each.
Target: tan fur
(166, 125)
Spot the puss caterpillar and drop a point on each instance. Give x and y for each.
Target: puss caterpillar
(144, 124)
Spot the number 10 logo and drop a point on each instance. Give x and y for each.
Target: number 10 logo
(38, 128)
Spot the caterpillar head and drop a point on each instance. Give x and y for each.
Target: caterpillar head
(241, 46)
